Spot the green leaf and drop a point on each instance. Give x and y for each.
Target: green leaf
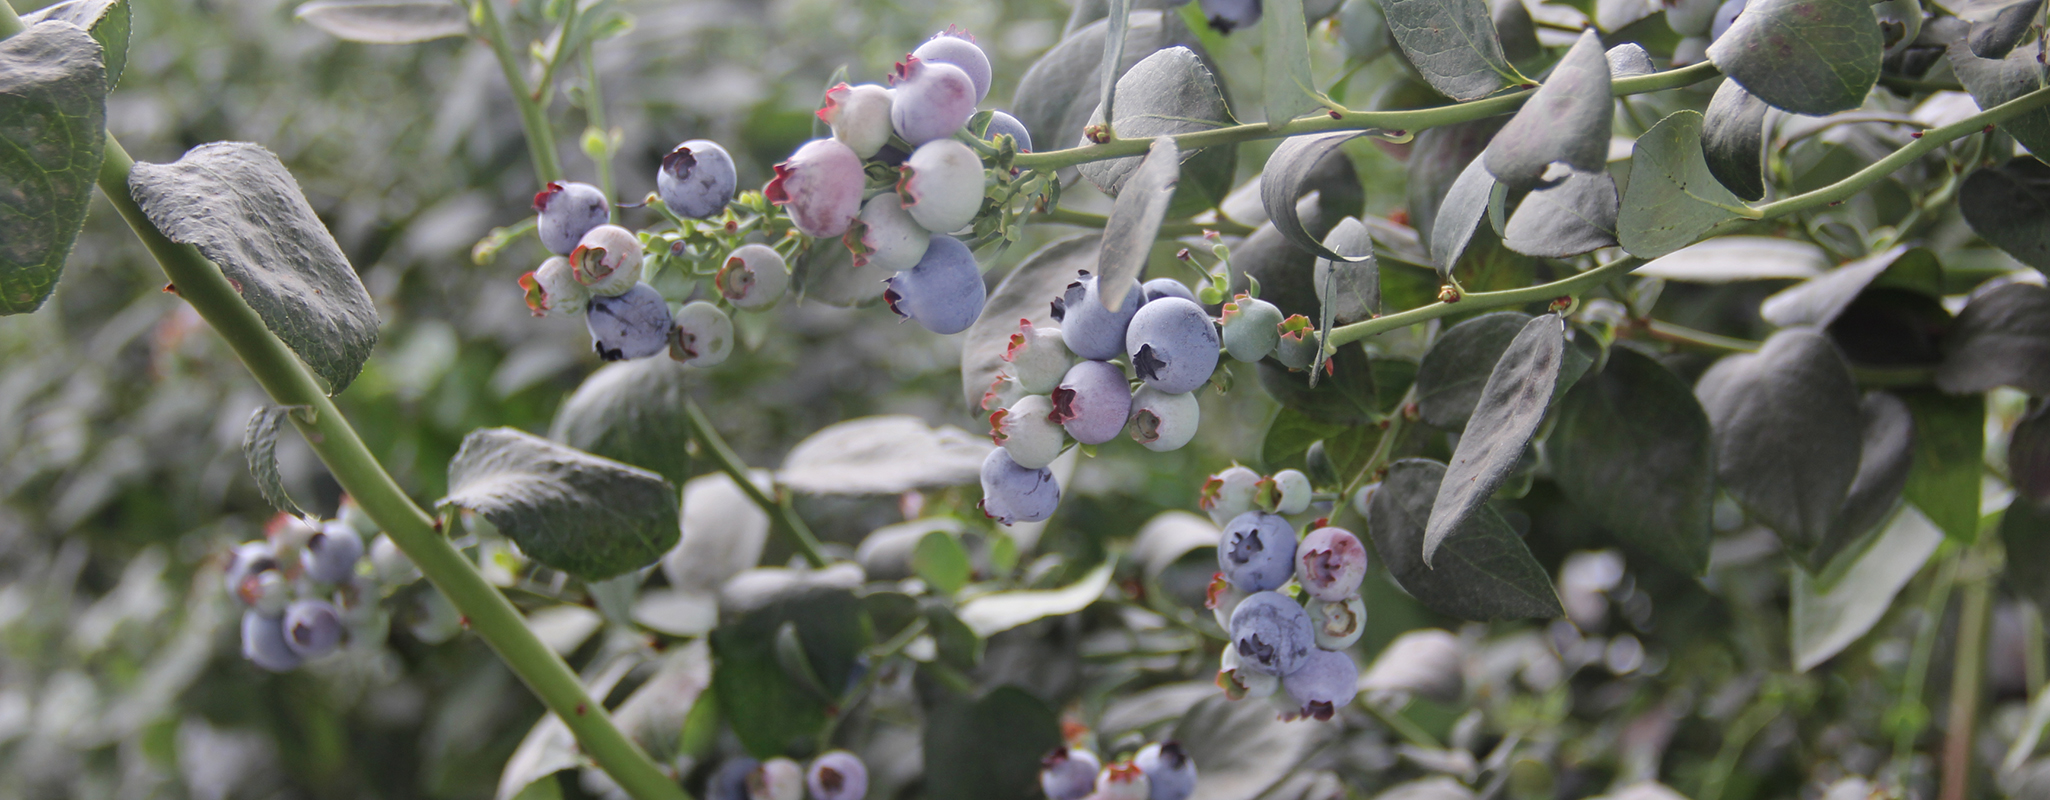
(1505, 416)
(1733, 140)
(1287, 88)
(2025, 532)
(260, 448)
(631, 412)
(1135, 218)
(654, 715)
(2028, 458)
(1294, 164)
(53, 119)
(1001, 611)
(1459, 215)
(1817, 301)
(1949, 440)
(1810, 57)
(1575, 216)
(1290, 435)
(1060, 92)
(1437, 158)
(2006, 204)
(1345, 397)
(1796, 388)
(1118, 17)
(588, 516)
(889, 454)
(1993, 81)
(988, 749)
(1672, 199)
(1452, 374)
(769, 712)
(956, 644)
(109, 22)
(1242, 750)
(1453, 45)
(1517, 31)
(387, 21)
(1328, 192)
(940, 560)
(1631, 450)
(1027, 293)
(1888, 453)
(238, 205)
(1167, 93)
(1827, 620)
(1566, 120)
(1996, 37)
(1483, 572)
(2002, 338)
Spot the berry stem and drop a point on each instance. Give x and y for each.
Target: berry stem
(786, 519)
(1479, 301)
(533, 117)
(1168, 230)
(1977, 570)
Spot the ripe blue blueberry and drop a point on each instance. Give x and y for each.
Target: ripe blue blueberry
(1027, 431)
(1240, 683)
(1226, 16)
(1090, 330)
(633, 325)
(956, 47)
(263, 642)
(1122, 781)
(941, 185)
(933, 100)
(1162, 421)
(696, 179)
(1272, 634)
(1252, 328)
(1166, 287)
(1068, 773)
(1338, 624)
(1288, 492)
(820, 186)
(943, 291)
(886, 235)
(313, 628)
(553, 288)
(331, 554)
(567, 211)
(1329, 563)
(1326, 682)
(1002, 124)
(1038, 357)
(776, 779)
(1229, 493)
(729, 781)
(837, 775)
(1298, 346)
(1011, 493)
(1093, 402)
(1170, 775)
(859, 116)
(1257, 551)
(704, 335)
(754, 276)
(1173, 345)
(607, 261)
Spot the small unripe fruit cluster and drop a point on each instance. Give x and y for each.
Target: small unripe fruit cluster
(1159, 771)
(833, 775)
(300, 590)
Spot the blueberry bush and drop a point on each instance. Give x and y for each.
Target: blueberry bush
(1596, 398)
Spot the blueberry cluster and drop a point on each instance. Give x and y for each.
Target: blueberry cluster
(833, 775)
(1291, 651)
(1159, 771)
(299, 590)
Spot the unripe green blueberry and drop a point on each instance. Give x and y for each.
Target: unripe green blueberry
(389, 564)
(1338, 623)
(1039, 358)
(703, 335)
(1298, 346)
(1122, 781)
(885, 235)
(754, 276)
(553, 288)
(607, 261)
(859, 115)
(1229, 493)
(1002, 392)
(1288, 492)
(941, 185)
(1364, 496)
(1162, 421)
(1239, 683)
(1093, 402)
(776, 779)
(1251, 328)
(1028, 431)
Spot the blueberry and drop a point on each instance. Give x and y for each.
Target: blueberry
(704, 335)
(1173, 345)
(633, 325)
(886, 235)
(1271, 634)
(1170, 775)
(1226, 16)
(553, 287)
(696, 179)
(1725, 16)
(432, 619)
(933, 100)
(1252, 328)
(263, 642)
(1229, 493)
(1090, 330)
(941, 185)
(287, 534)
(776, 779)
(1027, 431)
(754, 276)
(313, 628)
(837, 775)
(1326, 682)
(1364, 496)
(607, 261)
(943, 291)
(1011, 493)
(1162, 421)
(1068, 773)
(1122, 781)
(1239, 683)
(956, 47)
(265, 591)
(1093, 402)
(1002, 124)
(1002, 392)
(1288, 492)
(820, 186)
(1329, 564)
(859, 115)
(1339, 623)
(568, 210)
(1166, 287)
(1691, 17)
(1297, 348)
(729, 781)
(1256, 551)
(331, 554)
(389, 564)
(1038, 357)
(247, 559)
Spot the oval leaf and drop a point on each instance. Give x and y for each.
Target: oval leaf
(1996, 37)
(1288, 89)
(1059, 92)
(1889, 451)
(1993, 81)
(1450, 378)
(1810, 57)
(2007, 205)
(1242, 750)
(53, 118)
(1293, 164)
(882, 455)
(588, 516)
(1726, 259)
(1437, 158)
(1672, 199)
(1818, 301)
(1578, 215)
(387, 21)
(1001, 611)
(1795, 389)
(1167, 93)
(1733, 140)
(1950, 437)
(1485, 571)
(1505, 416)
(2002, 338)
(1631, 450)
(1027, 293)
(236, 203)
(1825, 622)
(1135, 220)
(631, 412)
(109, 22)
(1460, 215)
(769, 711)
(1453, 45)
(988, 749)
(1566, 120)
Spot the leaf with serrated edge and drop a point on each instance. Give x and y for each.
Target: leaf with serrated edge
(1287, 87)
(588, 516)
(1485, 571)
(1566, 120)
(1292, 164)
(1459, 215)
(109, 22)
(387, 21)
(2002, 338)
(1672, 199)
(1453, 371)
(1825, 622)
(1787, 432)
(631, 412)
(1631, 450)
(236, 202)
(1733, 140)
(1993, 81)
(1504, 418)
(1453, 45)
(53, 118)
(1135, 221)
(1027, 293)
(1576, 216)
(260, 448)
(1810, 57)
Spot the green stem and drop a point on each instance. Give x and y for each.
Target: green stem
(1169, 229)
(1682, 335)
(1482, 301)
(1735, 740)
(594, 101)
(1909, 713)
(1967, 679)
(534, 118)
(787, 520)
(544, 90)
(1410, 121)
(290, 384)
